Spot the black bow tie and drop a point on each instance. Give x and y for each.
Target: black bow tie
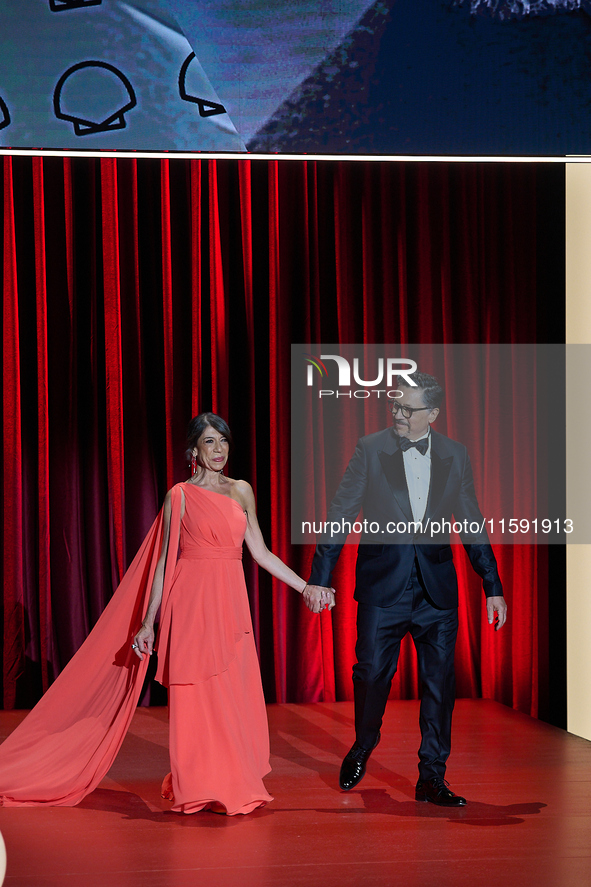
(422, 445)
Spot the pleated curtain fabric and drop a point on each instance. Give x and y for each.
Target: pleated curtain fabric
(137, 293)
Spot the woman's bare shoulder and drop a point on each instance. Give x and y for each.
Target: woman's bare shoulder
(240, 484)
(241, 491)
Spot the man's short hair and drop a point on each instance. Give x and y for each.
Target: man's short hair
(432, 390)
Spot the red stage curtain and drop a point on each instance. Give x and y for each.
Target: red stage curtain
(140, 292)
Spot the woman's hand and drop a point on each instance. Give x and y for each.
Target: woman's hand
(143, 642)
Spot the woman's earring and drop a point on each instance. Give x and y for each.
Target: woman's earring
(193, 465)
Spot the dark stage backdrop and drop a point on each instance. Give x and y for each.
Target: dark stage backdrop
(140, 292)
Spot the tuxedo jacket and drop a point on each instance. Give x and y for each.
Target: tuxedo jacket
(375, 483)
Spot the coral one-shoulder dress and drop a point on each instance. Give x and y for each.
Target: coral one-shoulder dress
(219, 740)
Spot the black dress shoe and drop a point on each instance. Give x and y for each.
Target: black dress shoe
(354, 764)
(436, 791)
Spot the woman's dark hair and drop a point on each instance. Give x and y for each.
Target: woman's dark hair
(197, 426)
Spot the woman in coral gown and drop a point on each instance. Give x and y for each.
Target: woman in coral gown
(189, 568)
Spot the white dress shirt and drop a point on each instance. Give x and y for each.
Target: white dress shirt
(418, 478)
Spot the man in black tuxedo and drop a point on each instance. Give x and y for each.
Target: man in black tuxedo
(402, 476)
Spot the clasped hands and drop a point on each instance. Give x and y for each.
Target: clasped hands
(318, 598)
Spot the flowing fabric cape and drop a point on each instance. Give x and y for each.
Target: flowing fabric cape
(66, 745)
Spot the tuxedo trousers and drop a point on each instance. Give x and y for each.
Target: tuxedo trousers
(379, 633)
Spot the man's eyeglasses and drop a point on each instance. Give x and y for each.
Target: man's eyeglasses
(406, 411)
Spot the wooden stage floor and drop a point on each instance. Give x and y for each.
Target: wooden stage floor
(527, 822)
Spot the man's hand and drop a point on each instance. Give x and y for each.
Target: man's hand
(498, 605)
(318, 597)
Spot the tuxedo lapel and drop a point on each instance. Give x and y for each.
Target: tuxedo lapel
(392, 464)
(440, 469)
(393, 467)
